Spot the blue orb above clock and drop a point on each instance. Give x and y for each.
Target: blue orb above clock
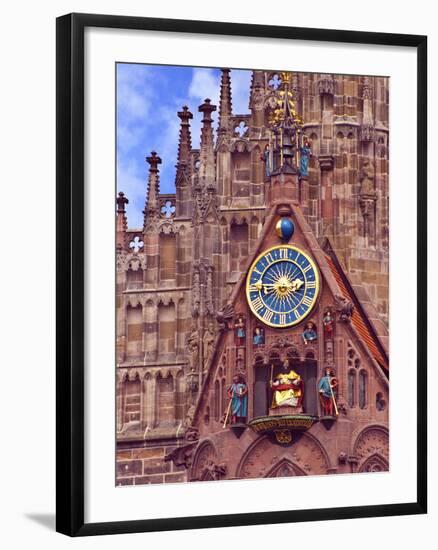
(285, 228)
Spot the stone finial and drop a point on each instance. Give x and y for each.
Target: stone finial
(153, 184)
(154, 160)
(207, 108)
(225, 105)
(185, 142)
(121, 200)
(206, 156)
(122, 222)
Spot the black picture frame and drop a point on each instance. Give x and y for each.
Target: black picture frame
(70, 273)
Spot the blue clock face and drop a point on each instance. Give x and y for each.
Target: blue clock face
(282, 286)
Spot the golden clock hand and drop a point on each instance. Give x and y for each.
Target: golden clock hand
(258, 285)
(297, 284)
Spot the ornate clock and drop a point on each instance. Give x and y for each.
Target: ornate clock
(282, 286)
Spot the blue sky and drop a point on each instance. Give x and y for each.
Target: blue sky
(148, 98)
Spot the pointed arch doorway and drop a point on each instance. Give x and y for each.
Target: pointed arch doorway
(285, 468)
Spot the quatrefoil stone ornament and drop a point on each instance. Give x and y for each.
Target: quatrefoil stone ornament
(136, 244)
(168, 209)
(241, 129)
(275, 82)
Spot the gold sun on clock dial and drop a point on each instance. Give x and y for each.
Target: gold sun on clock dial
(282, 286)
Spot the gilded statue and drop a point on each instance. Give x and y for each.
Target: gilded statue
(287, 387)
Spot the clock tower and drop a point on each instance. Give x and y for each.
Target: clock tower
(278, 376)
(275, 358)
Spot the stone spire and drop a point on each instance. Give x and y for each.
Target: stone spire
(183, 167)
(257, 80)
(122, 222)
(256, 98)
(151, 206)
(367, 127)
(206, 156)
(225, 105)
(185, 144)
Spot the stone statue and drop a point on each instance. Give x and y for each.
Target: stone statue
(224, 316)
(266, 159)
(209, 292)
(190, 415)
(345, 308)
(192, 384)
(193, 348)
(196, 292)
(367, 180)
(209, 339)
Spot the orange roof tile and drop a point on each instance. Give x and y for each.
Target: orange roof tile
(358, 318)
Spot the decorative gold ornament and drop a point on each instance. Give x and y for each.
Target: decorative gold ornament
(283, 436)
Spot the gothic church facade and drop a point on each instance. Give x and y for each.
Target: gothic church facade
(185, 323)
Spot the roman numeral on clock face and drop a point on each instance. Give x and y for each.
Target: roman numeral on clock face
(282, 318)
(270, 258)
(306, 269)
(267, 316)
(257, 304)
(307, 301)
(311, 284)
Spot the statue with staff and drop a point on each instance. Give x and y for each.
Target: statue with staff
(238, 404)
(327, 393)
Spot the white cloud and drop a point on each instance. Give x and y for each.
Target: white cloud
(240, 86)
(205, 84)
(134, 186)
(146, 124)
(134, 99)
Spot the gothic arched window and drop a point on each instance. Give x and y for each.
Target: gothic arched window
(363, 389)
(380, 402)
(179, 397)
(167, 248)
(351, 388)
(134, 278)
(216, 400)
(239, 248)
(165, 400)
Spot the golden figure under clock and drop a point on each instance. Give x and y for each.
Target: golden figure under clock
(282, 286)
